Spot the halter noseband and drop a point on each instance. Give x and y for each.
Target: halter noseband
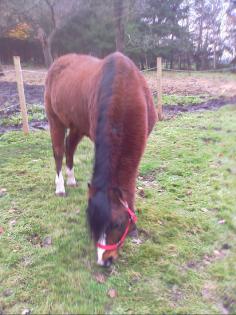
(132, 218)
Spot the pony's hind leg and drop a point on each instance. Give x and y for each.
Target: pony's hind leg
(57, 130)
(72, 140)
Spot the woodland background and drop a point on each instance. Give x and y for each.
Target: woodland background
(187, 34)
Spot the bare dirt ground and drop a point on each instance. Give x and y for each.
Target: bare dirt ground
(195, 83)
(180, 83)
(31, 76)
(218, 89)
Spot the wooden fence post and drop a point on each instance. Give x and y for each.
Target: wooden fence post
(20, 87)
(159, 89)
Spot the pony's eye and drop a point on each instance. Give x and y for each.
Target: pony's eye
(116, 225)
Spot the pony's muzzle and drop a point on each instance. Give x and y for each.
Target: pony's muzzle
(105, 263)
(108, 262)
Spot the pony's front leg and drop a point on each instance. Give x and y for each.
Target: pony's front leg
(60, 187)
(71, 143)
(57, 131)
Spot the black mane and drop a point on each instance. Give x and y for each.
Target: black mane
(99, 210)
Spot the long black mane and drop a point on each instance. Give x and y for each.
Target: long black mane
(99, 210)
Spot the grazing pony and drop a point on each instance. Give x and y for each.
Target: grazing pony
(108, 101)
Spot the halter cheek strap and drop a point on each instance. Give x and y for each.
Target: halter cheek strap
(132, 218)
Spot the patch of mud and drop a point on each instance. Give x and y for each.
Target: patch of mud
(175, 83)
(212, 104)
(149, 180)
(37, 241)
(34, 94)
(209, 293)
(209, 258)
(176, 296)
(9, 104)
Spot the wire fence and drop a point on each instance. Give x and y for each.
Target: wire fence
(232, 69)
(26, 71)
(9, 101)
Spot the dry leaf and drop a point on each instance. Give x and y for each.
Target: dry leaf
(112, 293)
(2, 191)
(7, 292)
(141, 193)
(12, 210)
(47, 241)
(100, 278)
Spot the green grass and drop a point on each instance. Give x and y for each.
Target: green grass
(35, 112)
(188, 180)
(182, 99)
(227, 75)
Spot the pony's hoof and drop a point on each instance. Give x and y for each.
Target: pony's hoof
(60, 194)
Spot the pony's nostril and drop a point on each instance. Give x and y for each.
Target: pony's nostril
(108, 262)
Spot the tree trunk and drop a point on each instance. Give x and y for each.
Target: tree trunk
(215, 58)
(46, 47)
(1, 69)
(146, 61)
(200, 38)
(119, 25)
(180, 64)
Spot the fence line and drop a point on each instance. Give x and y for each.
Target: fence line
(210, 70)
(191, 70)
(6, 108)
(159, 89)
(34, 71)
(144, 70)
(149, 69)
(30, 71)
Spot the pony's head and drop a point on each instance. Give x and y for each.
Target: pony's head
(110, 221)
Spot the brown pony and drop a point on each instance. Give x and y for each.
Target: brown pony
(108, 101)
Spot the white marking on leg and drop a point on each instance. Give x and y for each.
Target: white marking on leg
(70, 177)
(59, 181)
(100, 251)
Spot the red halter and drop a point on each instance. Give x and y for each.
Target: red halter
(132, 218)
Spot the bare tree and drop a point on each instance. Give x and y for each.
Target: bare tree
(44, 17)
(231, 29)
(50, 16)
(1, 70)
(231, 11)
(205, 25)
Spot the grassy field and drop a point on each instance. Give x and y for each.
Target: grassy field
(185, 261)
